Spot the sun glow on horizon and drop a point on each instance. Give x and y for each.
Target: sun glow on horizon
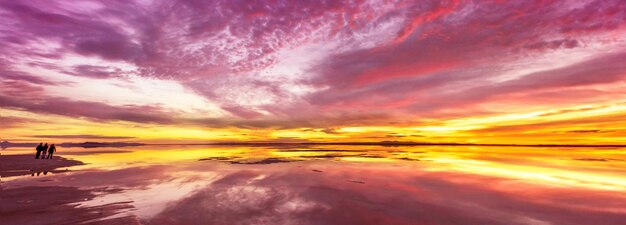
(349, 71)
(454, 130)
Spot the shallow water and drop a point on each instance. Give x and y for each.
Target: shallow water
(324, 185)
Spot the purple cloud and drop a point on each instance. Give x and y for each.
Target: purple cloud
(88, 110)
(81, 136)
(402, 59)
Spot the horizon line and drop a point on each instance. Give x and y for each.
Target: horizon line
(396, 143)
(380, 143)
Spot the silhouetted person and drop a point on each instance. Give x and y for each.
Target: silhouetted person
(51, 150)
(39, 149)
(44, 150)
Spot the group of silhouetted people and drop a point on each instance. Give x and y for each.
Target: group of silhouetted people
(42, 149)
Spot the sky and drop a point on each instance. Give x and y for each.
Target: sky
(173, 71)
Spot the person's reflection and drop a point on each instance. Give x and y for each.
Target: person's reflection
(39, 173)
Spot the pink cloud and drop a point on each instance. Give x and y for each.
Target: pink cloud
(405, 58)
(89, 110)
(242, 112)
(469, 48)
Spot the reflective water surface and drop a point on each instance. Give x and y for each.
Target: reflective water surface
(322, 185)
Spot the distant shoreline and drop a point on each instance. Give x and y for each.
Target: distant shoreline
(383, 143)
(399, 144)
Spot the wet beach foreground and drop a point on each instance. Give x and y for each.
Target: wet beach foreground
(315, 185)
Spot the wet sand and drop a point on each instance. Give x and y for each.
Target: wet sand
(56, 205)
(328, 185)
(50, 204)
(17, 165)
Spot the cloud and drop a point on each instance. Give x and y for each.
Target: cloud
(242, 112)
(20, 76)
(590, 131)
(82, 33)
(601, 70)
(420, 74)
(330, 131)
(14, 121)
(38, 102)
(20, 89)
(590, 122)
(310, 62)
(8, 73)
(81, 136)
(89, 110)
(318, 121)
(98, 72)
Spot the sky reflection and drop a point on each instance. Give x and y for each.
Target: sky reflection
(339, 185)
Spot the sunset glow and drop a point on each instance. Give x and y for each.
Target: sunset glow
(509, 72)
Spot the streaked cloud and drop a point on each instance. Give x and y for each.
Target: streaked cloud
(81, 136)
(311, 65)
